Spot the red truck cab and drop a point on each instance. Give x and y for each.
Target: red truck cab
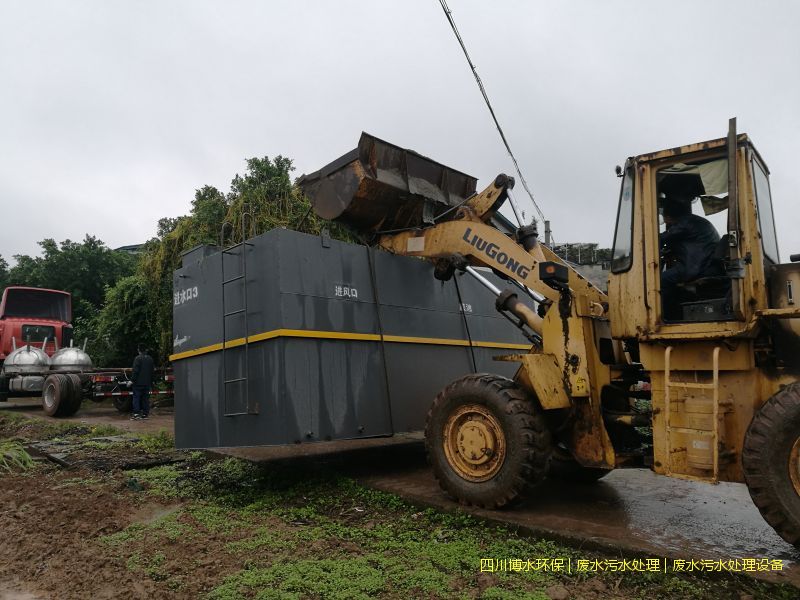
(29, 315)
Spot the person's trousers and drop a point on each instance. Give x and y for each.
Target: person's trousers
(141, 400)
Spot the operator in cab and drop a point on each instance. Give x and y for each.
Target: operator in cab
(688, 245)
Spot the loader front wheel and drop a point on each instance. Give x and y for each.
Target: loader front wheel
(487, 441)
(771, 462)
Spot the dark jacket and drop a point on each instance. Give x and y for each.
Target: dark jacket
(143, 371)
(691, 241)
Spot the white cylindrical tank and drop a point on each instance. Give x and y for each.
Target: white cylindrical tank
(70, 359)
(26, 360)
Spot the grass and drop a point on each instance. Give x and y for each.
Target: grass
(305, 532)
(309, 533)
(31, 428)
(153, 443)
(14, 457)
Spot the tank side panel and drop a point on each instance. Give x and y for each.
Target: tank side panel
(341, 383)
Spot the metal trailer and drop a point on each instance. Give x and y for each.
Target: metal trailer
(113, 383)
(63, 390)
(323, 340)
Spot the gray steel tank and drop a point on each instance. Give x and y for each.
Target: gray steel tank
(71, 359)
(26, 360)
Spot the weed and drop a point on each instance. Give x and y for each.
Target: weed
(14, 457)
(214, 518)
(343, 579)
(104, 431)
(122, 538)
(161, 481)
(98, 445)
(153, 443)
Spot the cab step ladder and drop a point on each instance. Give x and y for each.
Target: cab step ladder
(238, 249)
(669, 386)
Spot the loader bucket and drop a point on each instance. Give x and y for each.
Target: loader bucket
(381, 187)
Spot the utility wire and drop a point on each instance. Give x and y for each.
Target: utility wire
(449, 16)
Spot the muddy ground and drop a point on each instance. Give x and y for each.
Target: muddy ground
(123, 515)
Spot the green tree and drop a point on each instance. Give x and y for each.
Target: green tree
(261, 198)
(3, 273)
(124, 321)
(83, 269)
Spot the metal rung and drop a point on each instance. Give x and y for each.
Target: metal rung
(231, 280)
(691, 384)
(714, 433)
(237, 380)
(235, 312)
(690, 431)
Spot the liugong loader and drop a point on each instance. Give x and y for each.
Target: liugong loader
(609, 381)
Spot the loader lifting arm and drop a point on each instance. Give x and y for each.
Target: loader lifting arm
(410, 205)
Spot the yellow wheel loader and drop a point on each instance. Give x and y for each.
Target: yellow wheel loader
(694, 376)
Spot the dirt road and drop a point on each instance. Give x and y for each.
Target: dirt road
(632, 510)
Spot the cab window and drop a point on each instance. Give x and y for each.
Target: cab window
(693, 241)
(766, 221)
(622, 256)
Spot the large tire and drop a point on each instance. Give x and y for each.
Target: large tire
(56, 395)
(123, 404)
(771, 462)
(491, 419)
(3, 387)
(74, 397)
(564, 467)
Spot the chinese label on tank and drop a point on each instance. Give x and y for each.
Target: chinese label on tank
(466, 307)
(345, 291)
(184, 295)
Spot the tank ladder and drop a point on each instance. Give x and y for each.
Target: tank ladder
(239, 249)
(670, 385)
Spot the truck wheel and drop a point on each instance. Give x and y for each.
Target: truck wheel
(486, 440)
(771, 462)
(73, 401)
(56, 394)
(566, 468)
(123, 403)
(3, 387)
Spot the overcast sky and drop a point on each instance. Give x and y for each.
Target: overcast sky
(113, 113)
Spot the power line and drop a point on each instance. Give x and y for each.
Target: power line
(449, 16)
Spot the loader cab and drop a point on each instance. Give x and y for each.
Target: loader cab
(695, 234)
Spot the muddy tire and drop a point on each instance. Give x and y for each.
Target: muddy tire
(56, 395)
(565, 468)
(3, 387)
(123, 404)
(771, 462)
(487, 441)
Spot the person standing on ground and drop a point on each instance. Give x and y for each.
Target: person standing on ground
(142, 380)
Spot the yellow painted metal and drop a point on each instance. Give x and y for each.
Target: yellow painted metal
(690, 435)
(344, 335)
(568, 329)
(474, 442)
(541, 374)
(794, 465)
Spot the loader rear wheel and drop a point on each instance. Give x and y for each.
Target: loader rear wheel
(487, 441)
(771, 462)
(564, 467)
(56, 395)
